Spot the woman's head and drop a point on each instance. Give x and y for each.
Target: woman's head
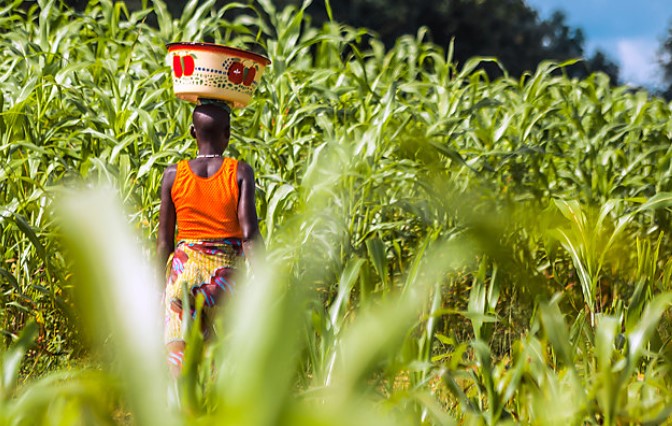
(211, 126)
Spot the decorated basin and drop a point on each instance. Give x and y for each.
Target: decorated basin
(213, 71)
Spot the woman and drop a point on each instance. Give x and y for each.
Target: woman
(211, 200)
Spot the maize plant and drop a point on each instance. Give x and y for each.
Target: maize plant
(443, 248)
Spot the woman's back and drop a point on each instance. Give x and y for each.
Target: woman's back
(205, 194)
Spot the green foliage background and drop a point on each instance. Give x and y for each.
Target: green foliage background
(448, 248)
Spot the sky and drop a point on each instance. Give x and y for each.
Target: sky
(630, 32)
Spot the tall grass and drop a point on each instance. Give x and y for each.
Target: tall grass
(442, 248)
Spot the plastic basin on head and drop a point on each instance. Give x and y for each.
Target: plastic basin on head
(213, 71)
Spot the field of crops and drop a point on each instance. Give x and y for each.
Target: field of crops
(443, 249)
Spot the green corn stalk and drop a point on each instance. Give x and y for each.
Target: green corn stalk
(362, 154)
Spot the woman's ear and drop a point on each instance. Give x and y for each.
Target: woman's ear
(192, 130)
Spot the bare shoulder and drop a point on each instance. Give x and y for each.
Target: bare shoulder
(245, 171)
(169, 176)
(171, 169)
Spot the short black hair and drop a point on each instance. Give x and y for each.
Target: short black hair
(209, 120)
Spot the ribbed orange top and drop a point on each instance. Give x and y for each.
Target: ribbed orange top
(207, 208)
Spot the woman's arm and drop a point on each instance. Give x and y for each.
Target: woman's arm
(253, 244)
(165, 242)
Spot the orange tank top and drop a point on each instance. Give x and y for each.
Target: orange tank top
(206, 208)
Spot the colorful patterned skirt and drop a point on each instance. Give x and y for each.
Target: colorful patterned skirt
(201, 267)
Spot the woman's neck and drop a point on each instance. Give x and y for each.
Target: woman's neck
(210, 150)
